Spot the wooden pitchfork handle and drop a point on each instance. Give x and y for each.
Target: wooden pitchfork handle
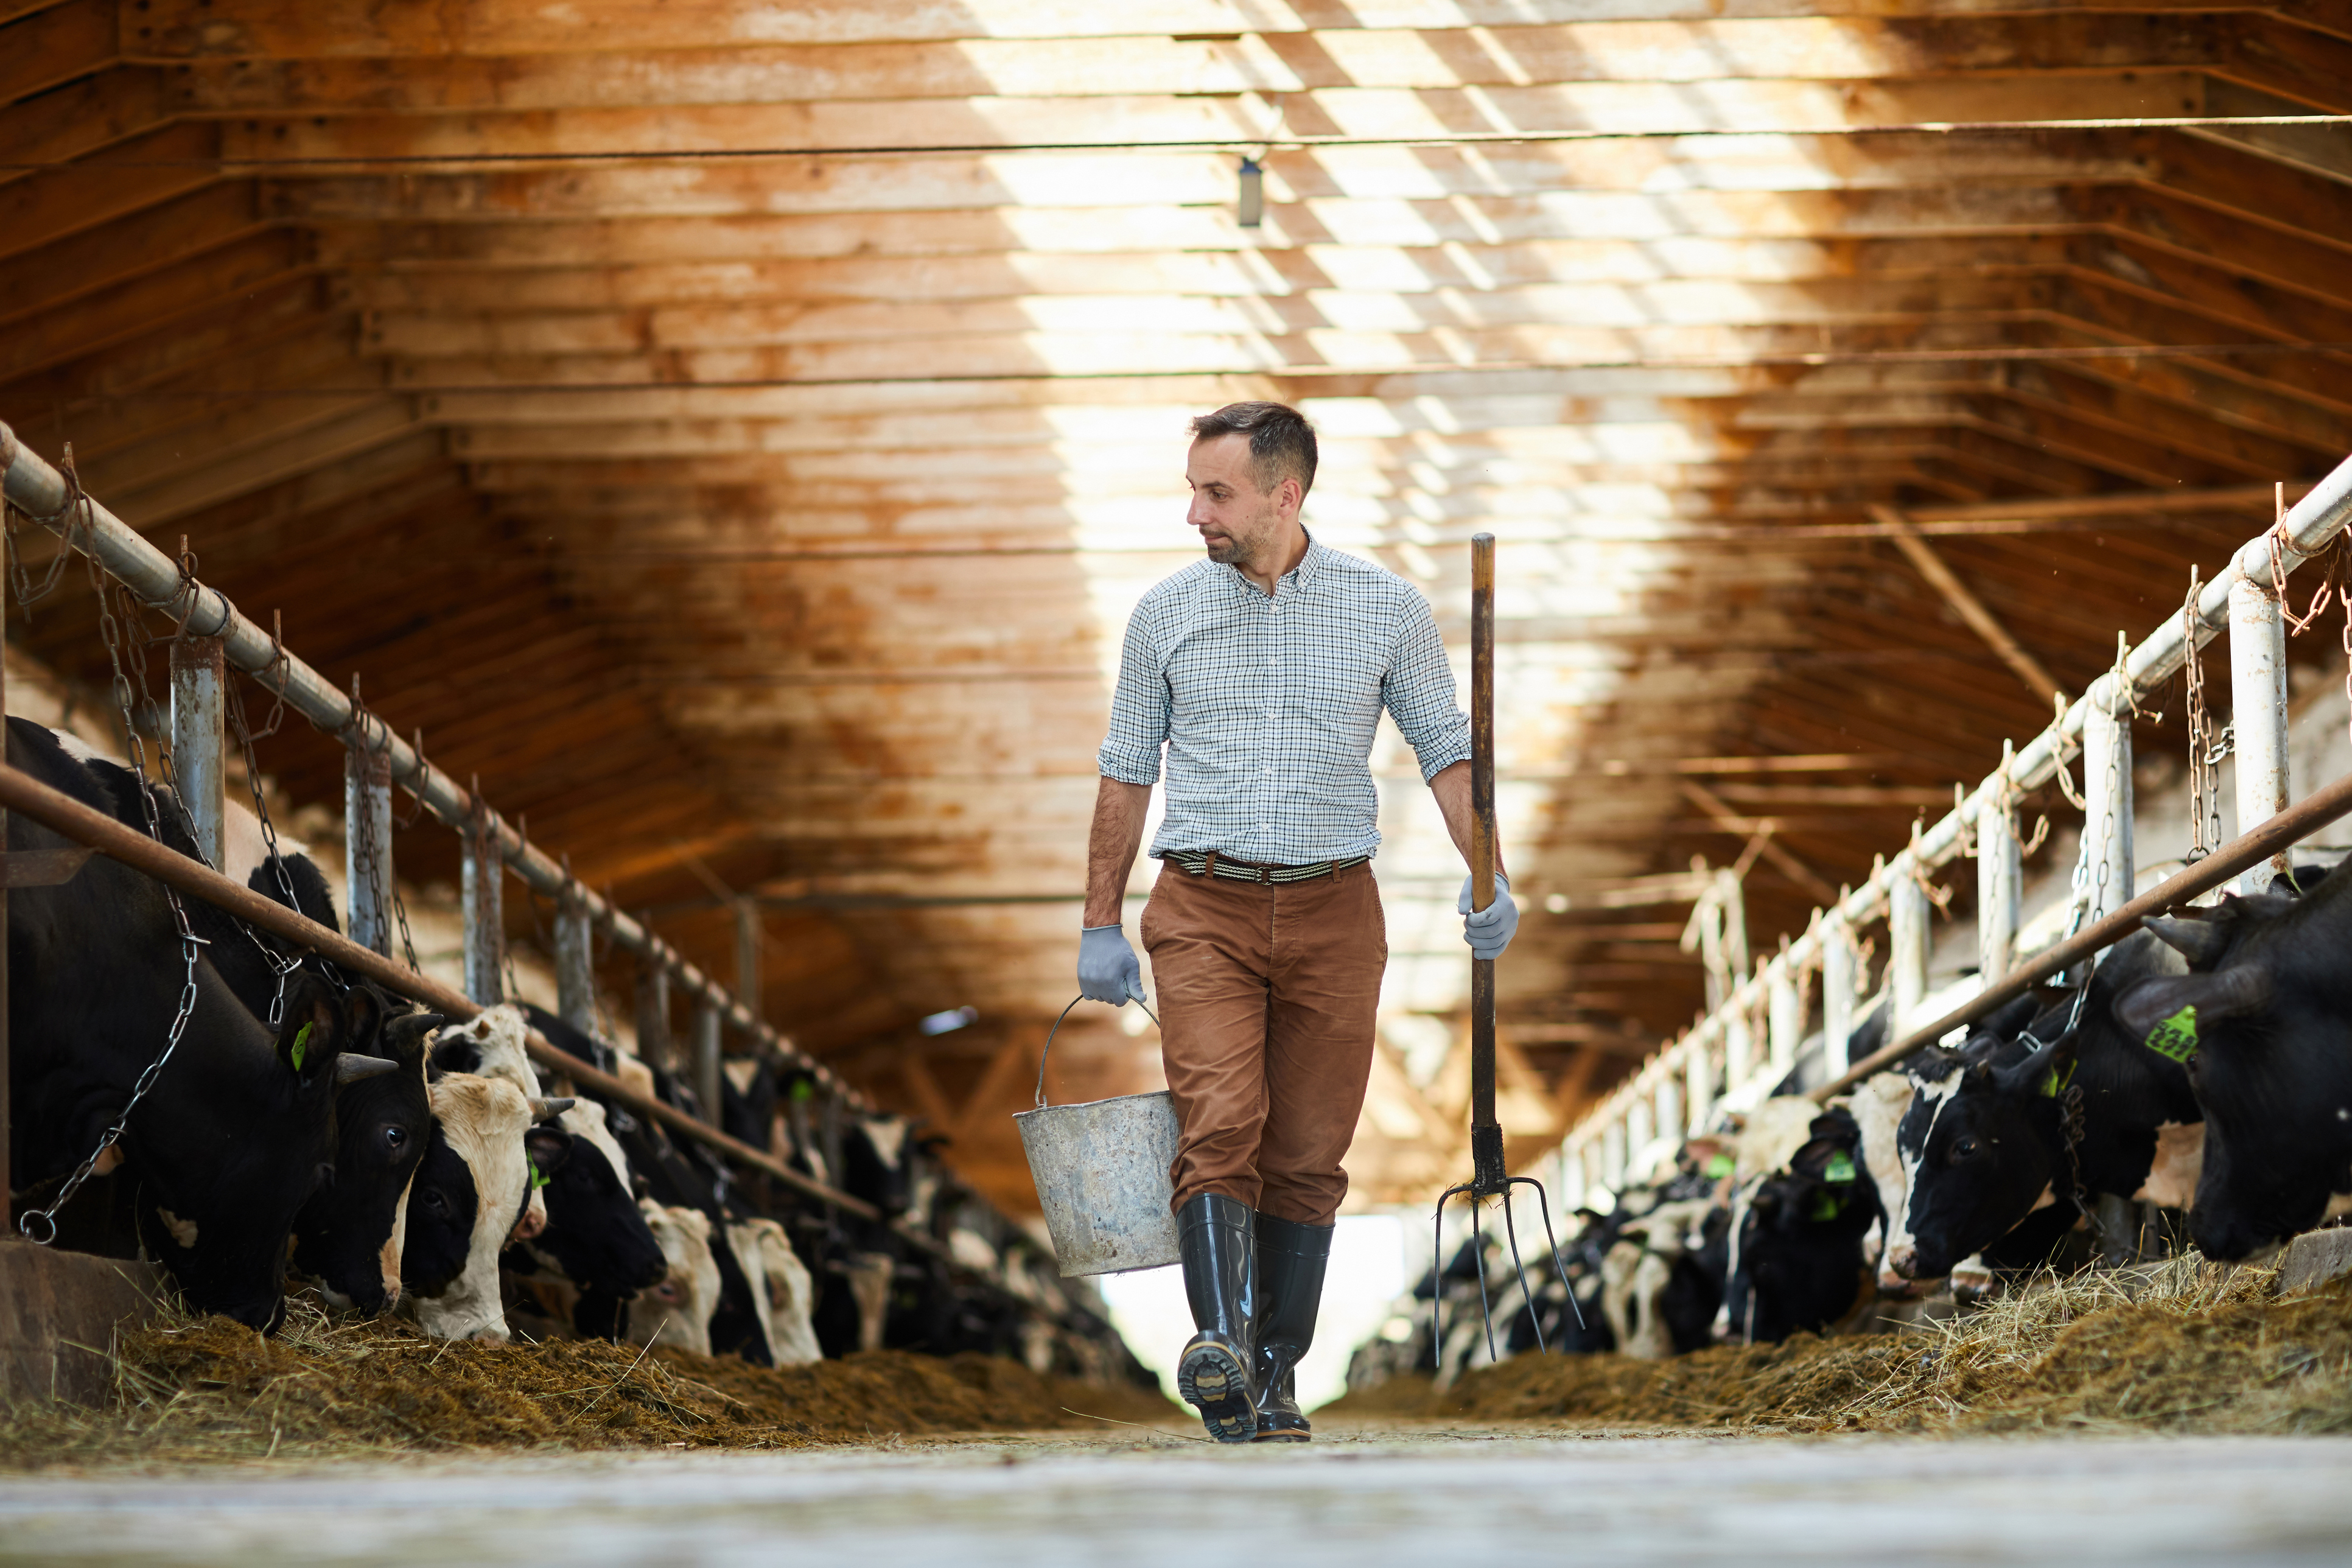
(1488, 1175)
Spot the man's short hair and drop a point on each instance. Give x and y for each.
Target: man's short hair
(1282, 443)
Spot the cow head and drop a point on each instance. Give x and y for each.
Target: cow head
(473, 1186)
(595, 1233)
(350, 1236)
(227, 1155)
(2262, 1024)
(1981, 1142)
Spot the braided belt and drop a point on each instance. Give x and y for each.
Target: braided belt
(1200, 861)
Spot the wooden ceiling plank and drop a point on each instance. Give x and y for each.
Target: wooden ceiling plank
(55, 46)
(140, 172)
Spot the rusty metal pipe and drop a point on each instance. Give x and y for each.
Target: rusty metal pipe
(21, 791)
(40, 492)
(2272, 838)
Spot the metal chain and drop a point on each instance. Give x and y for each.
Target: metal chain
(2204, 755)
(282, 967)
(110, 631)
(2072, 1124)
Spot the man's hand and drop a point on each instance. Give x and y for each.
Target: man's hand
(1488, 931)
(1107, 968)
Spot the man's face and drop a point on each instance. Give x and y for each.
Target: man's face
(1240, 524)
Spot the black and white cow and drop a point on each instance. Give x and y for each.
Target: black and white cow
(350, 1236)
(492, 1148)
(239, 1130)
(2262, 1025)
(1799, 1256)
(1985, 1141)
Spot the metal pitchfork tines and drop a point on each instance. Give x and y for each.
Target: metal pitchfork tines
(1488, 1176)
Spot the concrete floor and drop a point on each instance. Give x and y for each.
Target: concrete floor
(1138, 1498)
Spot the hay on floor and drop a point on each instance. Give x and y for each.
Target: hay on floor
(197, 1390)
(2185, 1346)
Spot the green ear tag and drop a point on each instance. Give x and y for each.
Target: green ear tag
(1840, 1168)
(1720, 1167)
(2053, 1083)
(537, 1178)
(302, 1050)
(2176, 1036)
(803, 1090)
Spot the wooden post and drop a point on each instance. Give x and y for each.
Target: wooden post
(2108, 787)
(748, 936)
(1999, 870)
(652, 1017)
(198, 756)
(706, 1059)
(1839, 986)
(575, 969)
(483, 873)
(2258, 710)
(367, 845)
(1906, 938)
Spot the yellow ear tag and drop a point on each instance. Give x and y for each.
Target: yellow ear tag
(2176, 1036)
(302, 1050)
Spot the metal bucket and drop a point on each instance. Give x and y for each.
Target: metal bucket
(1101, 1170)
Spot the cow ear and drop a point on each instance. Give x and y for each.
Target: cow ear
(311, 1036)
(2231, 993)
(549, 1146)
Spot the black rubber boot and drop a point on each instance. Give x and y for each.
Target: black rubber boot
(1216, 1237)
(1291, 1259)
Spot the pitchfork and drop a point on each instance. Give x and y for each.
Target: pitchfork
(1488, 1176)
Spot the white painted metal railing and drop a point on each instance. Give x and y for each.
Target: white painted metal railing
(1711, 1068)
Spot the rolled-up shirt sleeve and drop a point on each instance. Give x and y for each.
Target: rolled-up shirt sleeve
(1140, 706)
(1418, 690)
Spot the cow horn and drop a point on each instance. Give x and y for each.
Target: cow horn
(551, 1106)
(351, 1067)
(2200, 941)
(411, 1026)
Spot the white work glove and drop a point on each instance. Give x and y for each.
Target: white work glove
(1489, 930)
(1107, 968)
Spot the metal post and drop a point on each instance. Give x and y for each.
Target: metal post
(1594, 1158)
(1640, 1133)
(575, 969)
(2000, 869)
(1668, 1099)
(2258, 712)
(1572, 1179)
(706, 1059)
(1613, 1155)
(367, 845)
(748, 938)
(2107, 786)
(1699, 1087)
(483, 872)
(1838, 988)
(1907, 939)
(652, 1017)
(198, 756)
(1784, 1018)
(1739, 1050)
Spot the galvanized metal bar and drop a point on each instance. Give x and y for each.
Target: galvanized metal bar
(1698, 1079)
(199, 752)
(652, 1017)
(1906, 941)
(708, 1059)
(2257, 714)
(748, 941)
(1839, 958)
(1784, 1017)
(483, 897)
(575, 966)
(39, 490)
(2107, 786)
(367, 847)
(2001, 871)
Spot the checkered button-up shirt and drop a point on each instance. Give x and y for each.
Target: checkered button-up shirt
(1267, 706)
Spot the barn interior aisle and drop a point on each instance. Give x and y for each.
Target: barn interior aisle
(726, 439)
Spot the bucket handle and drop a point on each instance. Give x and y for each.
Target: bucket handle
(1057, 1029)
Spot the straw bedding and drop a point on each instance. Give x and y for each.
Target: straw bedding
(2185, 1347)
(208, 1389)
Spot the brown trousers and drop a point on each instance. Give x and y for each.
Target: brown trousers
(1267, 995)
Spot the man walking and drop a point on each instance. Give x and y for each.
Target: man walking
(1262, 671)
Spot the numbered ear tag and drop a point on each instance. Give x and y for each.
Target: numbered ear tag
(301, 1047)
(1840, 1168)
(2176, 1036)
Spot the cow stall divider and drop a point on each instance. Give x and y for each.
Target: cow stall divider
(1681, 1091)
(214, 638)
